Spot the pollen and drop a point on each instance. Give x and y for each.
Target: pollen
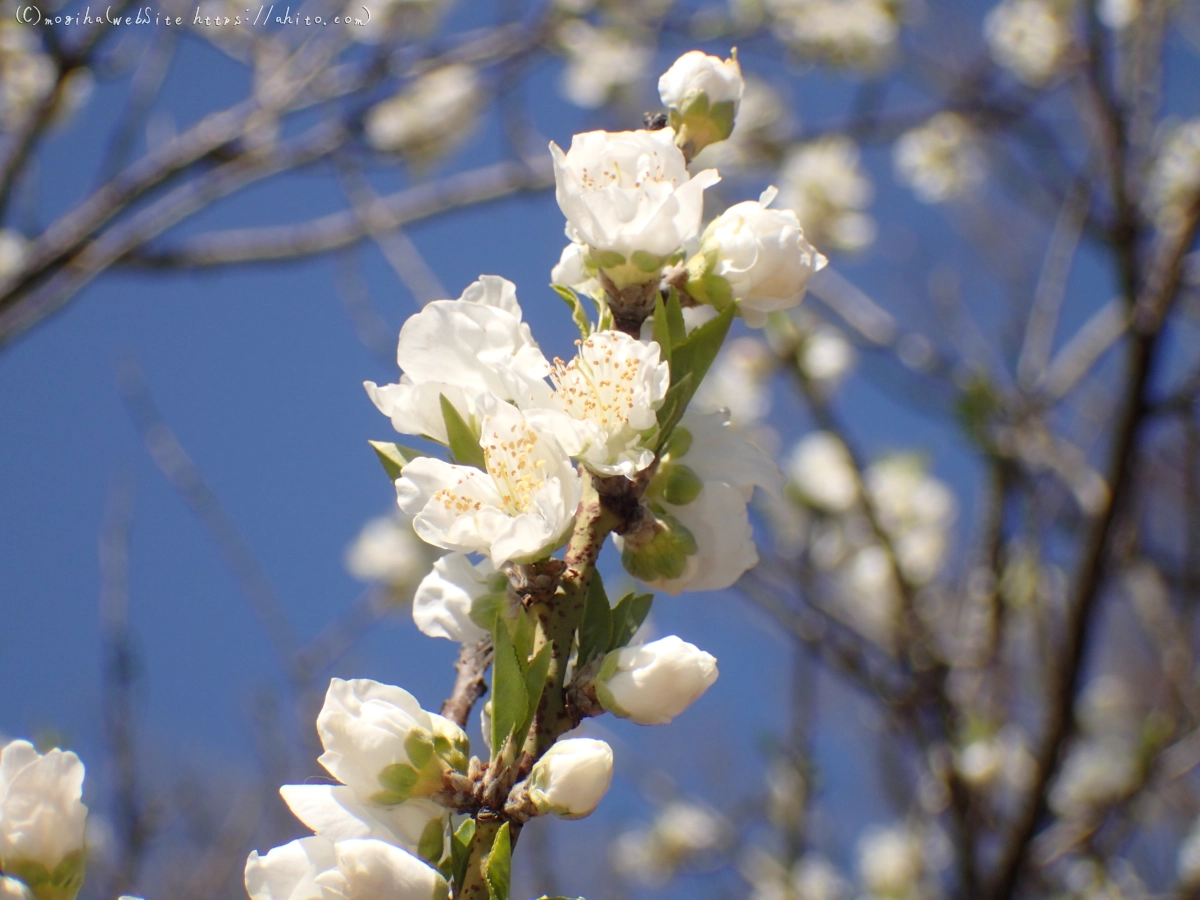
(597, 384)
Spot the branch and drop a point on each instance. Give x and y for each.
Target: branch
(469, 684)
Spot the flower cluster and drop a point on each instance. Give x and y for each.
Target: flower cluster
(858, 34)
(1029, 37)
(544, 454)
(430, 117)
(42, 821)
(940, 160)
(824, 182)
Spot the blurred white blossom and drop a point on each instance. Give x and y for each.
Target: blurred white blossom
(683, 834)
(852, 33)
(821, 469)
(939, 160)
(890, 861)
(1174, 179)
(601, 62)
(824, 183)
(1028, 37)
(387, 550)
(737, 382)
(428, 118)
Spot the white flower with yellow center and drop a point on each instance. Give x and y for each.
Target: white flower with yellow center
(462, 349)
(519, 508)
(610, 391)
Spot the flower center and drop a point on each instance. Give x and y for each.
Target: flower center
(596, 384)
(511, 463)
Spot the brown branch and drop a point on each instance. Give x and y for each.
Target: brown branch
(469, 683)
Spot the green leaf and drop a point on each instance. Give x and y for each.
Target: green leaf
(675, 324)
(672, 410)
(535, 684)
(578, 314)
(497, 868)
(433, 841)
(394, 457)
(510, 699)
(695, 355)
(596, 627)
(460, 849)
(627, 617)
(606, 259)
(646, 262)
(464, 444)
(661, 330)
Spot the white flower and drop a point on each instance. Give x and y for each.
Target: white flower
(695, 74)
(737, 382)
(762, 254)
(42, 819)
(824, 183)
(337, 813)
(1118, 14)
(380, 743)
(939, 160)
(463, 349)
(390, 18)
(916, 509)
(721, 470)
(573, 271)
(821, 469)
(867, 587)
(702, 94)
(825, 355)
(628, 195)
(13, 250)
(816, 878)
(1095, 773)
(1027, 37)
(572, 777)
(1174, 179)
(653, 683)
(450, 602)
(890, 860)
(520, 508)
(429, 118)
(851, 33)
(11, 889)
(610, 391)
(601, 62)
(388, 550)
(317, 869)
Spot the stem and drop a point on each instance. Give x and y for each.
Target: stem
(474, 886)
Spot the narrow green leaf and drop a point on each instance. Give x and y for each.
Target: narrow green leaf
(524, 632)
(672, 410)
(464, 444)
(497, 868)
(695, 355)
(535, 684)
(578, 313)
(510, 699)
(661, 330)
(627, 617)
(394, 457)
(460, 849)
(675, 324)
(595, 629)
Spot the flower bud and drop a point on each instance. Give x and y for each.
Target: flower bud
(659, 550)
(571, 778)
(42, 820)
(701, 94)
(676, 483)
(458, 599)
(757, 256)
(653, 683)
(353, 870)
(379, 742)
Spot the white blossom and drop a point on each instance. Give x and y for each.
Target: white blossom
(737, 382)
(11, 889)
(815, 878)
(825, 356)
(573, 271)
(821, 469)
(380, 743)
(1096, 772)
(27, 75)
(13, 251)
(453, 600)
(520, 508)
(653, 683)
(824, 183)
(851, 33)
(628, 196)
(1174, 178)
(611, 390)
(463, 349)
(762, 255)
(1118, 14)
(702, 94)
(571, 778)
(916, 509)
(724, 468)
(388, 550)
(1027, 37)
(682, 833)
(890, 860)
(42, 818)
(390, 18)
(695, 74)
(337, 813)
(939, 160)
(317, 869)
(430, 117)
(601, 62)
